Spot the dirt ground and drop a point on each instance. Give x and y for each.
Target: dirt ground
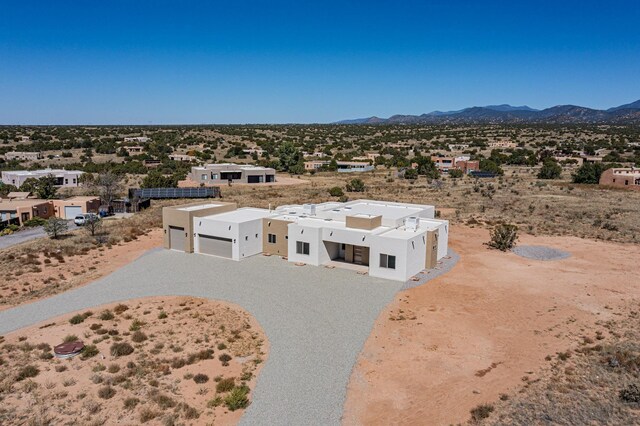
(44, 274)
(193, 361)
(485, 328)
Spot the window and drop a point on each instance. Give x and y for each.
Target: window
(302, 247)
(214, 176)
(387, 261)
(66, 181)
(203, 177)
(272, 238)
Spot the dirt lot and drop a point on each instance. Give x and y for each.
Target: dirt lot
(484, 328)
(192, 361)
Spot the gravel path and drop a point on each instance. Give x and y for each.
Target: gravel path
(444, 266)
(540, 252)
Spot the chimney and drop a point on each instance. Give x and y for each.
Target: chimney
(309, 209)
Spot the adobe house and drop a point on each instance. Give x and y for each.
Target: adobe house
(25, 209)
(70, 207)
(627, 178)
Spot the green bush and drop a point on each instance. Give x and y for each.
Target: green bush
(106, 392)
(237, 398)
(455, 173)
(481, 412)
(355, 185)
(89, 351)
(411, 174)
(35, 221)
(200, 378)
(503, 237)
(77, 319)
(139, 337)
(550, 170)
(336, 191)
(106, 315)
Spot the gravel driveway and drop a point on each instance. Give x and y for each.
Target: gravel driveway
(316, 321)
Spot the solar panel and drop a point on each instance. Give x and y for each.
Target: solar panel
(157, 193)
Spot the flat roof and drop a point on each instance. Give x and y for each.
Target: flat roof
(199, 207)
(243, 214)
(14, 204)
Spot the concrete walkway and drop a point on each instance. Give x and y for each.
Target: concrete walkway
(316, 320)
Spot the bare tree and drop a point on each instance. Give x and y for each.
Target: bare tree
(108, 185)
(55, 227)
(93, 225)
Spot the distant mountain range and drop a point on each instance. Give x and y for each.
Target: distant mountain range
(507, 114)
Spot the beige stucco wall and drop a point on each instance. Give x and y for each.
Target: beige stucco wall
(88, 206)
(172, 216)
(280, 229)
(431, 257)
(363, 222)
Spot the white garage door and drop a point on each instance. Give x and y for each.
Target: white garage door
(177, 238)
(216, 246)
(70, 212)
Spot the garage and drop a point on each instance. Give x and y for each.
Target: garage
(72, 211)
(215, 246)
(177, 238)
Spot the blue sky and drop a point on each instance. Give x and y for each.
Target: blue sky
(154, 62)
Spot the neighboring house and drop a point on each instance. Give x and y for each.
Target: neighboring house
(25, 209)
(458, 146)
(368, 156)
(343, 166)
(70, 207)
(502, 144)
(64, 178)
(23, 156)
(24, 138)
(152, 164)
(182, 157)
(133, 150)
(463, 163)
(628, 178)
(386, 239)
(251, 151)
(140, 139)
(211, 174)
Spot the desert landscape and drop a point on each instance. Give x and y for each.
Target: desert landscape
(168, 360)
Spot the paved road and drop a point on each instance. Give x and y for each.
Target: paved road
(316, 321)
(27, 235)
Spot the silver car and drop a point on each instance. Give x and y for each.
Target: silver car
(83, 219)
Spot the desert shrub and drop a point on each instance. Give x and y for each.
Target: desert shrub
(162, 315)
(120, 308)
(630, 394)
(61, 368)
(190, 413)
(481, 412)
(222, 346)
(410, 174)
(147, 414)
(455, 173)
(336, 191)
(200, 378)
(106, 392)
(95, 326)
(136, 324)
(107, 315)
(503, 237)
(237, 398)
(139, 337)
(178, 363)
(205, 354)
(163, 401)
(89, 351)
(225, 385)
(121, 349)
(26, 372)
(550, 169)
(77, 319)
(215, 402)
(225, 358)
(131, 403)
(35, 221)
(355, 185)
(113, 368)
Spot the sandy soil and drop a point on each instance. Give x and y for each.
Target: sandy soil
(484, 328)
(46, 276)
(178, 338)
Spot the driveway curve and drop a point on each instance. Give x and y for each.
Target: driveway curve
(316, 321)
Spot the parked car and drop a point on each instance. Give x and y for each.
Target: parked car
(83, 219)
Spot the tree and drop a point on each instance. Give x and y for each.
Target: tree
(55, 227)
(426, 167)
(288, 156)
(503, 237)
(155, 179)
(550, 169)
(491, 167)
(93, 224)
(455, 173)
(108, 186)
(6, 189)
(411, 174)
(355, 185)
(45, 187)
(589, 173)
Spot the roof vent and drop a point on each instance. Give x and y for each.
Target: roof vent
(412, 223)
(309, 209)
